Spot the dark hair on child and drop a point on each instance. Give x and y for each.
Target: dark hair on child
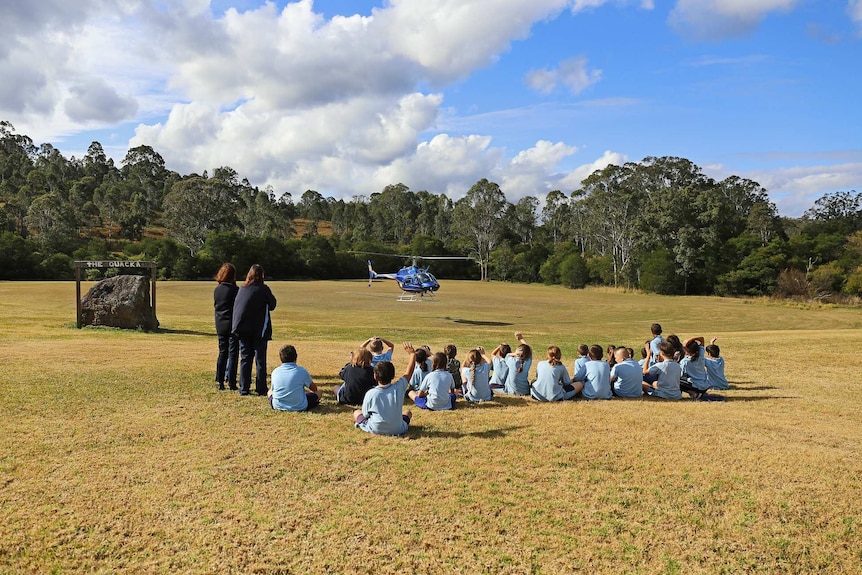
(693, 349)
(376, 345)
(421, 359)
(667, 348)
(596, 352)
(655, 329)
(643, 352)
(505, 349)
(583, 349)
(713, 350)
(450, 350)
(554, 355)
(439, 361)
(384, 372)
(678, 350)
(287, 354)
(631, 351)
(526, 353)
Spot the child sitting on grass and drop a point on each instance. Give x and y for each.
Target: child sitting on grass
(694, 378)
(518, 363)
(597, 380)
(715, 366)
(552, 380)
(437, 391)
(375, 346)
(664, 375)
(476, 375)
(498, 365)
(453, 366)
(423, 368)
(289, 382)
(358, 378)
(381, 409)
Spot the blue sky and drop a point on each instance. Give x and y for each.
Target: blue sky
(347, 97)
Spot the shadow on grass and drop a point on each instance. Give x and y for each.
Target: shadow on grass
(753, 388)
(183, 331)
(477, 322)
(746, 398)
(416, 431)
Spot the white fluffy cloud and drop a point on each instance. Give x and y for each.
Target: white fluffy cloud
(718, 19)
(854, 8)
(571, 73)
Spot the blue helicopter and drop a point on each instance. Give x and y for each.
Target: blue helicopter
(415, 281)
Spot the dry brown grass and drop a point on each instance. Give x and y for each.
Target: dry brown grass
(117, 454)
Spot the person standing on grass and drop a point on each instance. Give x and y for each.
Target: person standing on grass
(381, 411)
(665, 374)
(437, 391)
(252, 326)
(358, 378)
(626, 375)
(289, 384)
(375, 346)
(476, 376)
(597, 381)
(552, 379)
(228, 346)
(499, 367)
(518, 364)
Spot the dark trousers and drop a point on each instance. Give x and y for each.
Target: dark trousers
(252, 349)
(228, 360)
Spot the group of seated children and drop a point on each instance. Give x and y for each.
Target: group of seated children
(434, 381)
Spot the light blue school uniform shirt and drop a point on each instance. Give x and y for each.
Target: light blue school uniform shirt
(382, 406)
(653, 345)
(597, 381)
(549, 382)
(419, 375)
(580, 368)
(715, 373)
(438, 384)
(518, 383)
(478, 386)
(696, 370)
(288, 387)
(629, 378)
(668, 373)
(501, 370)
(378, 357)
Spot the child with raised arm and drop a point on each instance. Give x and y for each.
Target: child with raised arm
(375, 346)
(437, 391)
(358, 378)
(381, 409)
(552, 379)
(476, 375)
(499, 367)
(597, 381)
(626, 375)
(289, 384)
(665, 374)
(423, 368)
(518, 378)
(715, 366)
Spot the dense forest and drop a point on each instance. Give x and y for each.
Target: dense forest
(658, 225)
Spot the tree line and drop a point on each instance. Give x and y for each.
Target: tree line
(659, 225)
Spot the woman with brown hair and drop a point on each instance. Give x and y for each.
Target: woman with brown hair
(251, 325)
(228, 346)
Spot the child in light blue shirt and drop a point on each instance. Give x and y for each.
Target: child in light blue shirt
(657, 339)
(476, 375)
(375, 346)
(437, 391)
(694, 380)
(499, 366)
(665, 374)
(626, 375)
(518, 378)
(382, 406)
(597, 380)
(715, 367)
(580, 370)
(289, 384)
(552, 380)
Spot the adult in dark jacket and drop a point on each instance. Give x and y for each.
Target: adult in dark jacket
(228, 346)
(251, 325)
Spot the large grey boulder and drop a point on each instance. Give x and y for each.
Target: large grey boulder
(121, 301)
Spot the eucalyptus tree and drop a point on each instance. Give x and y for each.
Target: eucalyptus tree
(478, 217)
(197, 206)
(554, 215)
(524, 220)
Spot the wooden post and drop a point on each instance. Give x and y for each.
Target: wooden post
(78, 320)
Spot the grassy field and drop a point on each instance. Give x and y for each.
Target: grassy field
(117, 454)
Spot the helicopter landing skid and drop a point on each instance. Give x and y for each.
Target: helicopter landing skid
(414, 296)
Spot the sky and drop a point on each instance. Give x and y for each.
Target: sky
(348, 96)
